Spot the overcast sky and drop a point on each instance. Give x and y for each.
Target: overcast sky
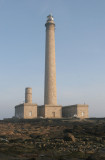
(80, 52)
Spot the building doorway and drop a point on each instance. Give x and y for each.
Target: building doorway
(53, 114)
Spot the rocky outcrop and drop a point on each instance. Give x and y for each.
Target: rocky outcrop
(56, 139)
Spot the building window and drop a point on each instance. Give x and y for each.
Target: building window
(30, 113)
(82, 114)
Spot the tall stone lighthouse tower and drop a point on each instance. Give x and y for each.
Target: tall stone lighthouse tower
(51, 109)
(50, 96)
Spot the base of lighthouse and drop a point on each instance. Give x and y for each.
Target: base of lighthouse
(50, 111)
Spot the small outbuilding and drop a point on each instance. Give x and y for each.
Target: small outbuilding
(77, 110)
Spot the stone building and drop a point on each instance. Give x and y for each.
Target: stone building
(27, 110)
(78, 110)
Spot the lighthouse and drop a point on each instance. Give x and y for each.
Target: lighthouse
(50, 95)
